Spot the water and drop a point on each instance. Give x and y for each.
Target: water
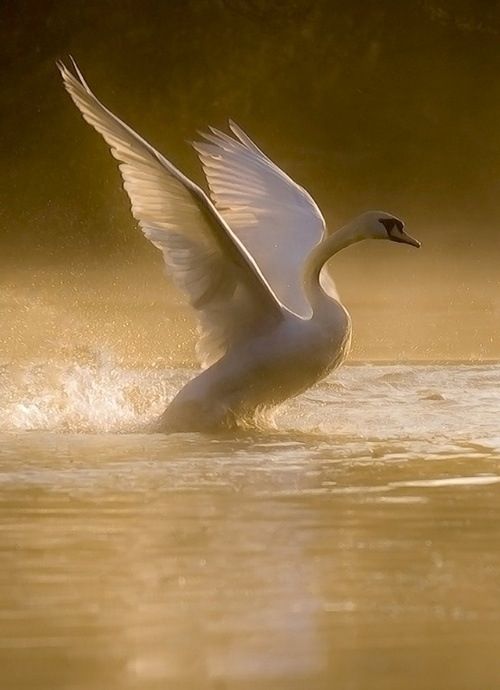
(356, 546)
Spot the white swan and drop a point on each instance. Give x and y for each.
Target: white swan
(250, 261)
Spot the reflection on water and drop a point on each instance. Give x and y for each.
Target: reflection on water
(366, 557)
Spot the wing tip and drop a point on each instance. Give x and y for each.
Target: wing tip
(70, 78)
(235, 128)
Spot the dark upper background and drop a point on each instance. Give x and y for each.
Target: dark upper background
(367, 103)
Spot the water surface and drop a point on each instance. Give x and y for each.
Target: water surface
(356, 546)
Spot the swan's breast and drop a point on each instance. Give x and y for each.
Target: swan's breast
(289, 359)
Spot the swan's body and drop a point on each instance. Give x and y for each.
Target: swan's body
(259, 374)
(250, 261)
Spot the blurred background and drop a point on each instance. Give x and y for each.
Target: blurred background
(366, 103)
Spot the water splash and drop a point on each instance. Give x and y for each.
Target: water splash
(95, 394)
(387, 409)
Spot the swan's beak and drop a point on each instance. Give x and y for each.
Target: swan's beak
(407, 239)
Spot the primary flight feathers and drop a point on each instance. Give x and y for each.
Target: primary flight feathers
(204, 255)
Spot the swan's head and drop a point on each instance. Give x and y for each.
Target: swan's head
(379, 225)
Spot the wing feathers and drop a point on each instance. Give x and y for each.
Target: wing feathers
(276, 219)
(205, 258)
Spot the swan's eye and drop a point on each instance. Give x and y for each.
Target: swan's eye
(391, 223)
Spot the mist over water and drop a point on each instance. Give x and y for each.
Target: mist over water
(94, 350)
(128, 308)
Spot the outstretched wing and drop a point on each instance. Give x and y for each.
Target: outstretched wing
(276, 219)
(205, 258)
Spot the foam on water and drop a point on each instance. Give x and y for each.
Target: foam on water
(432, 408)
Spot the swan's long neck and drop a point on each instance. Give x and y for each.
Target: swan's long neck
(320, 254)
